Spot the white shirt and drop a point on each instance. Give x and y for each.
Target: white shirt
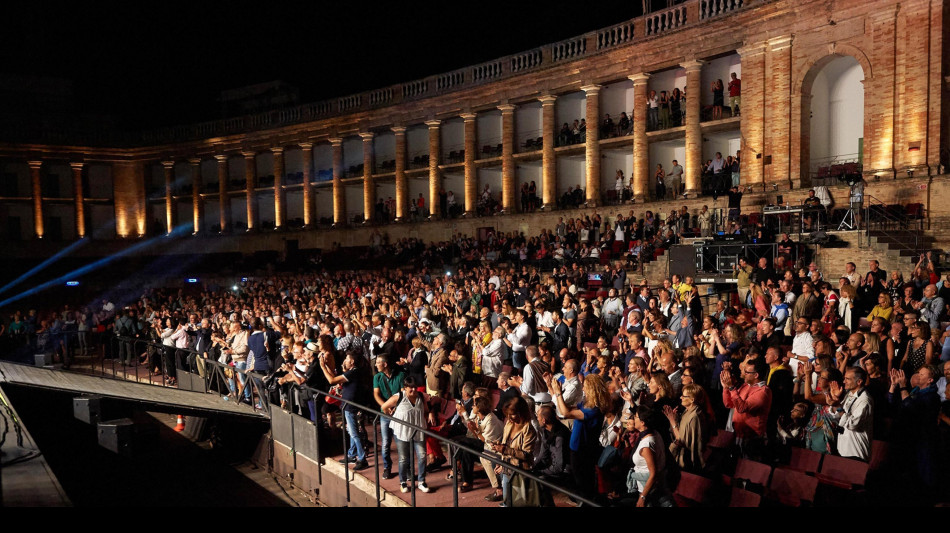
(655, 443)
(857, 422)
(528, 384)
(492, 356)
(520, 337)
(801, 345)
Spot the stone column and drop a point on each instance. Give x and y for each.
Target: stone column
(777, 111)
(471, 175)
(693, 166)
(306, 150)
(641, 148)
(169, 200)
(37, 180)
(592, 152)
(882, 117)
(339, 195)
(78, 199)
(278, 187)
(434, 177)
(548, 159)
(508, 200)
(250, 178)
(369, 188)
(752, 121)
(224, 202)
(197, 206)
(402, 186)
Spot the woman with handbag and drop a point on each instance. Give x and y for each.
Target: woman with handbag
(691, 431)
(517, 445)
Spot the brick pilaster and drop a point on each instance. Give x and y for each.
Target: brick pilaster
(369, 188)
(753, 113)
(508, 158)
(78, 199)
(169, 167)
(778, 95)
(402, 185)
(879, 129)
(548, 159)
(592, 151)
(692, 167)
(224, 202)
(339, 195)
(434, 177)
(641, 148)
(279, 205)
(250, 178)
(306, 152)
(471, 175)
(197, 205)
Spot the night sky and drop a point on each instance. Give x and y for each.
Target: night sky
(166, 63)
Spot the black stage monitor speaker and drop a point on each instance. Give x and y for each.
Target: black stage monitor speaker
(683, 260)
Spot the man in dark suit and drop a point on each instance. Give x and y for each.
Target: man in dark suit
(780, 382)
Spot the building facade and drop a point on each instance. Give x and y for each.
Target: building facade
(822, 82)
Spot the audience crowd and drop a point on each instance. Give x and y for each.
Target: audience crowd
(607, 387)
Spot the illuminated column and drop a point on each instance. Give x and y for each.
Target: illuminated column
(278, 186)
(369, 188)
(592, 152)
(641, 148)
(548, 160)
(434, 180)
(307, 154)
(402, 187)
(78, 199)
(169, 200)
(776, 117)
(471, 175)
(37, 182)
(752, 119)
(694, 134)
(507, 158)
(339, 196)
(197, 206)
(224, 204)
(250, 178)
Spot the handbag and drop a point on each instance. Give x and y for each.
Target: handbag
(525, 492)
(608, 457)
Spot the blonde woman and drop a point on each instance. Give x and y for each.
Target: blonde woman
(585, 433)
(691, 431)
(883, 309)
(849, 295)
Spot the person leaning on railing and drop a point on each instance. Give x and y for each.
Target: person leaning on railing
(518, 443)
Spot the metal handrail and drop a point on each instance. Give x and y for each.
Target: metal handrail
(454, 448)
(882, 217)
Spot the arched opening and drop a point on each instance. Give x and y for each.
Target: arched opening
(834, 122)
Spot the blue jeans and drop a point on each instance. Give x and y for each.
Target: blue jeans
(505, 487)
(231, 383)
(387, 435)
(356, 445)
(405, 466)
(519, 360)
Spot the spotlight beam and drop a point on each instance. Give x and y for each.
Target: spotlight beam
(56, 257)
(179, 231)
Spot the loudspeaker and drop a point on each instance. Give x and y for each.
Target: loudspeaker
(190, 381)
(43, 359)
(87, 408)
(683, 260)
(116, 435)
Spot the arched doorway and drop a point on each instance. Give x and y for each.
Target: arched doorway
(832, 116)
